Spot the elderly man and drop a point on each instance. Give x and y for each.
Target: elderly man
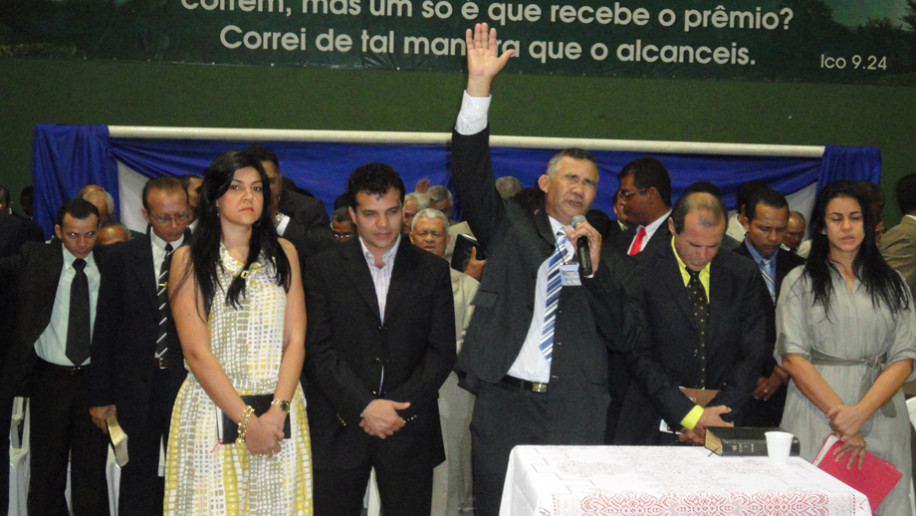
(414, 202)
(704, 315)
(536, 350)
(452, 488)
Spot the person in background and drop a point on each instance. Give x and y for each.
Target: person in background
(414, 202)
(645, 188)
(795, 232)
(113, 234)
(898, 247)
(847, 336)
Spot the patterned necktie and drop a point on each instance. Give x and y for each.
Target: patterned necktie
(637, 242)
(768, 278)
(554, 287)
(162, 297)
(696, 295)
(78, 320)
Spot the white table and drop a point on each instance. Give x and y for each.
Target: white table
(675, 480)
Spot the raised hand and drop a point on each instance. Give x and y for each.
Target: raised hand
(483, 62)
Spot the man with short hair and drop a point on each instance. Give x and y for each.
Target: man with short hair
(508, 186)
(704, 315)
(414, 202)
(191, 184)
(381, 339)
(342, 225)
(645, 190)
(15, 231)
(795, 232)
(536, 350)
(899, 244)
(452, 487)
(309, 211)
(49, 361)
(137, 360)
(103, 202)
(766, 221)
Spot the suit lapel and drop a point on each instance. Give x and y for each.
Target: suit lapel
(670, 275)
(358, 274)
(719, 287)
(405, 265)
(142, 268)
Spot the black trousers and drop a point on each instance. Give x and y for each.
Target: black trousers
(61, 428)
(142, 489)
(402, 492)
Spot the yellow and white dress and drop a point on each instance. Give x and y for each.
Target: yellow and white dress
(208, 478)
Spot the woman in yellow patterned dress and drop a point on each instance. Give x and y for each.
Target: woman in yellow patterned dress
(239, 309)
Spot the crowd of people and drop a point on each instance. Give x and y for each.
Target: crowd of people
(277, 355)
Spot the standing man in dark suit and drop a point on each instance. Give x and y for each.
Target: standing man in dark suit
(137, 361)
(381, 336)
(704, 316)
(645, 190)
(536, 350)
(15, 231)
(49, 361)
(767, 220)
(308, 211)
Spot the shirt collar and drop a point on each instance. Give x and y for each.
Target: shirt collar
(69, 257)
(757, 255)
(654, 225)
(159, 243)
(387, 258)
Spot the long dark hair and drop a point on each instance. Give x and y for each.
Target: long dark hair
(206, 239)
(882, 282)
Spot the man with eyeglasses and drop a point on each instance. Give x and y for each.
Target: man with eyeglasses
(136, 357)
(645, 192)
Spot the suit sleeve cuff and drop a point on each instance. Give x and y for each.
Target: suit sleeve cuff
(692, 418)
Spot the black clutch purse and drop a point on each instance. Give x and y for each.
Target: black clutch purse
(261, 404)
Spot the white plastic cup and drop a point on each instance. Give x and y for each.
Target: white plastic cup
(778, 446)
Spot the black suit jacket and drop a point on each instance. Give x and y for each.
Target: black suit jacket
(309, 211)
(785, 262)
(348, 347)
(666, 359)
(38, 267)
(15, 231)
(590, 319)
(123, 370)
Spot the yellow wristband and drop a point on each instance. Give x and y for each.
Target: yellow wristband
(692, 418)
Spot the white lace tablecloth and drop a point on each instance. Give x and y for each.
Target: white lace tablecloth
(657, 480)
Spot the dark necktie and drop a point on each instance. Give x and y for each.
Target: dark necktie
(696, 295)
(78, 319)
(162, 298)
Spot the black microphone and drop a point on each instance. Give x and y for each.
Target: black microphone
(582, 250)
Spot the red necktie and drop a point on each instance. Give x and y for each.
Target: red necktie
(637, 242)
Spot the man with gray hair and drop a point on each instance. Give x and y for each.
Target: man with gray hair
(712, 339)
(414, 202)
(452, 485)
(508, 186)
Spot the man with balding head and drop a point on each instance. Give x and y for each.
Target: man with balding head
(704, 316)
(137, 360)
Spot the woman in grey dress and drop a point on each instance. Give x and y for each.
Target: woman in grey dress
(847, 336)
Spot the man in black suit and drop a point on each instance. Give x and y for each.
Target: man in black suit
(137, 362)
(645, 191)
(15, 231)
(49, 361)
(536, 350)
(766, 222)
(704, 316)
(308, 211)
(381, 336)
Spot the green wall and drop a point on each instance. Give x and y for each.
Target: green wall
(135, 93)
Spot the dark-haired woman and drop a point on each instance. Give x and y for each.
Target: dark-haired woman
(239, 310)
(847, 335)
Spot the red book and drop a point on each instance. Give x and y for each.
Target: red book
(876, 478)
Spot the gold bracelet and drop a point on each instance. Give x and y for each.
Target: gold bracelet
(243, 424)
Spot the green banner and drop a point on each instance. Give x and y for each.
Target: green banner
(790, 40)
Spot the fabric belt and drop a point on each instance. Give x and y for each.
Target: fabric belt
(523, 385)
(873, 367)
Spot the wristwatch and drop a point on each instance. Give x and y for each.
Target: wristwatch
(283, 404)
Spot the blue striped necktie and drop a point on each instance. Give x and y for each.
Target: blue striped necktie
(554, 287)
(768, 278)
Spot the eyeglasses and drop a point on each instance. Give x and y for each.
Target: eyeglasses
(343, 236)
(168, 219)
(625, 195)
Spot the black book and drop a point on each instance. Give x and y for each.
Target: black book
(748, 441)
